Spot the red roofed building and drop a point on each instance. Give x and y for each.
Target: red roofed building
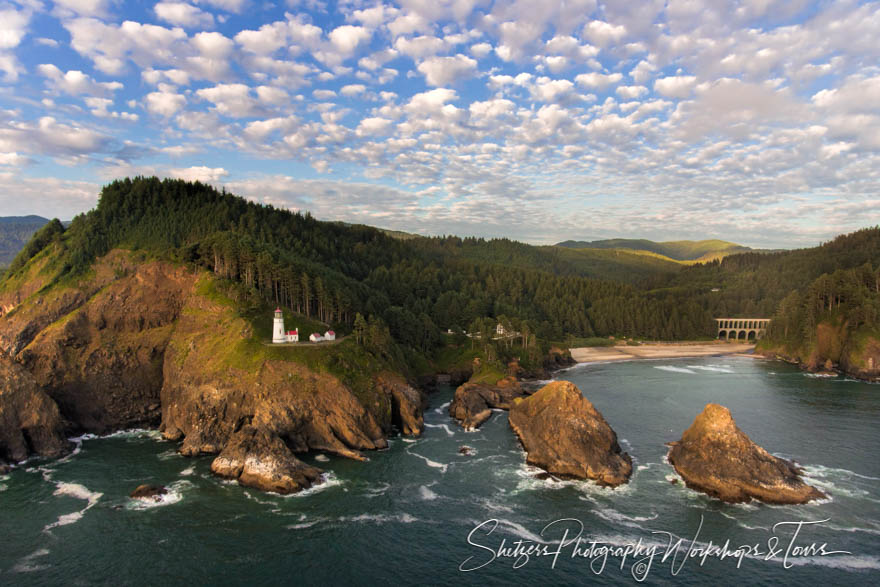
(329, 335)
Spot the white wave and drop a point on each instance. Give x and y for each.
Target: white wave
(377, 491)
(188, 471)
(672, 369)
(328, 480)
(431, 463)
(841, 562)
(823, 471)
(3, 487)
(520, 531)
(494, 506)
(444, 426)
(426, 493)
(77, 491)
(714, 368)
(742, 524)
(174, 494)
(820, 375)
(304, 525)
(853, 529)
(441, 408)
(410, 440)
(403, 518)
(27, 565)
(322, 458)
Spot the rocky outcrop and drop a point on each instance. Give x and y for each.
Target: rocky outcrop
(566, 436)
(472, 403)
(407, 404)
(216, 382)
(148, 492)
(30, 422)
(716, 457)
(260, 460)
(147, 344)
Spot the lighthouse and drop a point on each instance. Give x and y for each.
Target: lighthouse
(278, 335)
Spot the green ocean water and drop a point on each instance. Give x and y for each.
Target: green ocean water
(420, 513)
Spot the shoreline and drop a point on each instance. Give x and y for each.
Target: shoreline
(659, 351)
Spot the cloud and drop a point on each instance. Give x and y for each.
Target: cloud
(75, 83)
(199, 173)
(444, 71)
(598, 80)
(233, 100)
(183, 14)
(166, 102)
(680, 86)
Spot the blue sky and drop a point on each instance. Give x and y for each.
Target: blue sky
(540, 120)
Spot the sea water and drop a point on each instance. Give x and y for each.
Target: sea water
(423, 513)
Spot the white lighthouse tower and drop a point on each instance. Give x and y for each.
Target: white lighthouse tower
(278, 335)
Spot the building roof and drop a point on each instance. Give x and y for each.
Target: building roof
(331, 332)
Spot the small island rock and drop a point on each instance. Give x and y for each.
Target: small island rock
(147, 491)
(262, 461)
(716, 457)
(566, 436)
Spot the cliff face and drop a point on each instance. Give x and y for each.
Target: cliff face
(29, 419)
(144, 344)
(833, 346)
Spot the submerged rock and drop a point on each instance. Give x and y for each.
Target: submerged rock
(262, 461)
(473, 402)
(147, 491)
(716, 457)
(566, 436)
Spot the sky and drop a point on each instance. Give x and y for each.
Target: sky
(755, 121)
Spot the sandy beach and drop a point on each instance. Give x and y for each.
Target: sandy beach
(658, 351)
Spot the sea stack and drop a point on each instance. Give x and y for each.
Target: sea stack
(566, 436)
(716, 457)
(473, 402)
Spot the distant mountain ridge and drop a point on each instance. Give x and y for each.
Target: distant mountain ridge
(15, 232)
(684, 250)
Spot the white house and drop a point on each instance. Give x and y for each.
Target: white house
(329, 335)
(293, 335)
(499, 330)
(315, 337)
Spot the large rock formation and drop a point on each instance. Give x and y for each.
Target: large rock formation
(260, 460)
(29, 420)
(473, 402)
(141, 343)
(407, 404)
(565, 435)
(716, 457)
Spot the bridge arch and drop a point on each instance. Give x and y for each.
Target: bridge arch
(722, 334)
(752, 335)
(744, 329)
(741, 335)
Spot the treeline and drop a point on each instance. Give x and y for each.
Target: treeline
(420, 287)
(848, 298)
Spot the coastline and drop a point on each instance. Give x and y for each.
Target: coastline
(659, 351)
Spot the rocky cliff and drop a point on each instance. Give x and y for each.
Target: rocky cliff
(716, 457)
(564, 434)
(150, 343)
(472, 403)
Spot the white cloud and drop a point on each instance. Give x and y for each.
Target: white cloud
(83, 7)
(373, 126)
(680, 86)
(598, 80)
(166, 102)
(602, 34)
(75, 83)
(631, 92)
(444, 71)
(199, 173)
(233, 100)
(183, 14)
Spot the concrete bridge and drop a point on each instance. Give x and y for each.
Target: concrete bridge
(741, 328)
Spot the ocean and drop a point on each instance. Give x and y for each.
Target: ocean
(422, 513)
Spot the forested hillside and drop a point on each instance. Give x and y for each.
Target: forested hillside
(420, 287)
(678, 250)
